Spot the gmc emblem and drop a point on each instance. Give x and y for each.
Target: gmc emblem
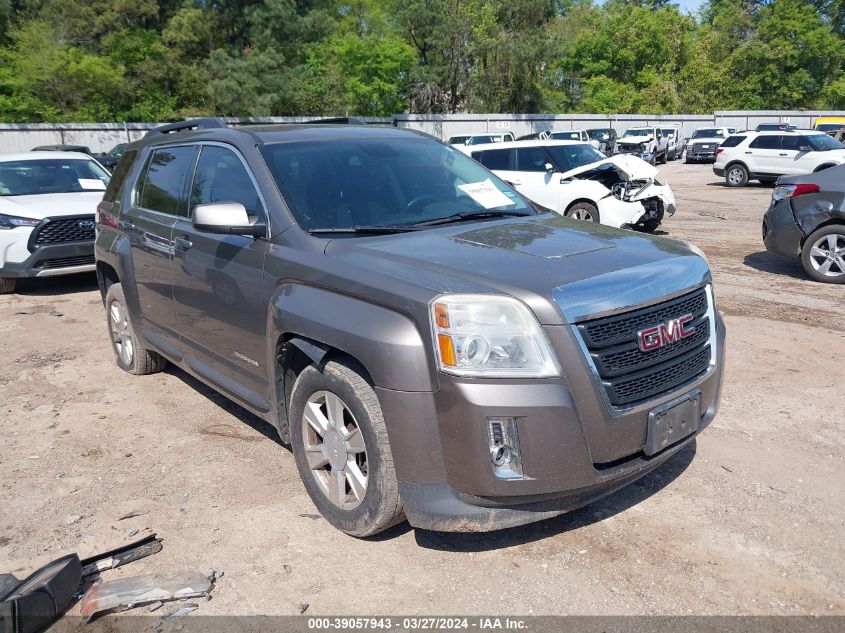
(658, 336)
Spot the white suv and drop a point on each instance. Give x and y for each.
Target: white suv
(765, 156)
(47, 205)
(575, 180)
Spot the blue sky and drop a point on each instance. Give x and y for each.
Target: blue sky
(689, 5)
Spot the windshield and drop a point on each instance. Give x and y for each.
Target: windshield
(670, 132)
(59, 175)
(709, 133)
(386, 183)
(827, 127)
(598, 134)
(117, 150)
(565, 136)
(823, 142)
(640, 132)
(573, 156)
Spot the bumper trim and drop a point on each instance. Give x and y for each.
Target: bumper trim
(440, 508)
(31, 266)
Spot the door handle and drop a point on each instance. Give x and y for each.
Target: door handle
(516, 183)
(183, 244)
(749, 152)
(783, 154)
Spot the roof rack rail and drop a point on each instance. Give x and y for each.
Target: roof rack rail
(346, 120)
(190, 124)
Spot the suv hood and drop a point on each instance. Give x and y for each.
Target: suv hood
(49, 205)
(558, 266)
(631, 167)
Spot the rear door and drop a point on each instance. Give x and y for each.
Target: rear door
(763, 155)
(217, 283)
(160, 200)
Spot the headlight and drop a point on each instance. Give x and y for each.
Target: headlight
(13, 221)
(490, 336)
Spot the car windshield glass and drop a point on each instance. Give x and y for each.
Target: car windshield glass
(117, 150)
(710, 133)
(823, 142)
(59, 175)
(566, 136)
(573, 156)
(380, 182)
(597, 134)
(485, 138)
(668, 132)
(640, 132)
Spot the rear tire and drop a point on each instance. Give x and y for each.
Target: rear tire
(341, 449)
(663, 158)
(130, 354)
(823, 254)
(583, 211)
(7, 285)
(736, 176)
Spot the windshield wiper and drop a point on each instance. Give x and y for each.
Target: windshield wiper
(363, 230)
(468, 215)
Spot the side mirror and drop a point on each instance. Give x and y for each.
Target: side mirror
(226, 218)
(549, 167)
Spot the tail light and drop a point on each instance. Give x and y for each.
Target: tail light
(791, 191)
(719, 150)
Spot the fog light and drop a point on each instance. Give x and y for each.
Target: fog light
(504, 448)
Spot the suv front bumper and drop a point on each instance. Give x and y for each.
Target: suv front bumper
(53, 259)
(574, 449)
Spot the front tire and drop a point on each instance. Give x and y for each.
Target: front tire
(736, 176)
(7, 285)
(583, 211)
(130, 354)
(341, 449)
(823, 254)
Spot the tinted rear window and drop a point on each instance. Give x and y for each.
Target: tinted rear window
(733, 141)
(494, 158)
(164, 185)
(119, 175)
(771, 141)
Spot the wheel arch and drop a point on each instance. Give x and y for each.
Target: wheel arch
(823, 225)
(824, 166)
(581, 199)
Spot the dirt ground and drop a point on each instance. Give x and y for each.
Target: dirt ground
(749, 521)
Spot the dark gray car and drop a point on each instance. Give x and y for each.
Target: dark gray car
(431, 345)
(806, 219)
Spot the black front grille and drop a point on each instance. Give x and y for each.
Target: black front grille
(61, 230)
(630, 375)
(66, 262)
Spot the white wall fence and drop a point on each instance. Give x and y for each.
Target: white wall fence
(100, 137)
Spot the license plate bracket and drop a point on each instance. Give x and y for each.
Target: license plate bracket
(672, 422)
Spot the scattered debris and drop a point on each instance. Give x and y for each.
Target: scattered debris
(718, 216)
(313, 517)
(288, 569)
(142, 548)
(303, 607)
(25, 311)
(183, 610)
(155, 605)
(134, 513)
(213, 575)
(126, 593)
(184, 507)
(56, 313)
(726, 468)
(133, 532)
(72, 518)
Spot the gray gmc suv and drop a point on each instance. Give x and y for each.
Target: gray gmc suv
(430, 344)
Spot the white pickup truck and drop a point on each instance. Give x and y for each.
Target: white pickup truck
(648, 143)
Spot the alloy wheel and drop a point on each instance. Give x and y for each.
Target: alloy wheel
(582, 214)
(827, 255)
(121, 334)
(735, 176)
(335, 450)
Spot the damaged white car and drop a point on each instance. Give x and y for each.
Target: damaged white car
(575, 180)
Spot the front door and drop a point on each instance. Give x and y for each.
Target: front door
(763, 155)
(217, 284)
(536, 181)
(160, 200)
